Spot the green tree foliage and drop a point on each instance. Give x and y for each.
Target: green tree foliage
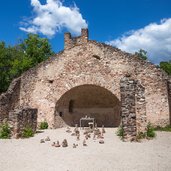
(37, 49)
(142, 54)
(166, 66)
(14, 60)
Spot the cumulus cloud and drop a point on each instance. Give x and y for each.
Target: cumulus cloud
(53, 16)
(154, 38)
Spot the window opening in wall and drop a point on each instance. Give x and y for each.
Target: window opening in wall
(71, 105)
(96, 56)
(60, 114)
(50, 81)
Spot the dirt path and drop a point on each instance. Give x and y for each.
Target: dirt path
(114, 155)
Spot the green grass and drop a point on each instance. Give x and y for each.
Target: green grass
(120, 132)
(43, 125)
(149, 134)
(150, 131)
(166, 128)
(27, 132)
(4, 131)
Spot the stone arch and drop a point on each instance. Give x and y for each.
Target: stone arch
(91, 100)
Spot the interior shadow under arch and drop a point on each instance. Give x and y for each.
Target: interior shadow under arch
(91, 101)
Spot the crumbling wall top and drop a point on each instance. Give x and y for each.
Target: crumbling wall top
(73, 41)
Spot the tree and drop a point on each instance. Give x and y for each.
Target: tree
(142, 54)
(37, 49)
(166, 66)
(5, 65)
(19, 58)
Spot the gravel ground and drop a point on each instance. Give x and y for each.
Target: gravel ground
(113, 155)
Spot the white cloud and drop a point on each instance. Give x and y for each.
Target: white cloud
(154, 38)
(52, 17)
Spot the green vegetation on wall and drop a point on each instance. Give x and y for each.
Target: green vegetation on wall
(142, 54)
(166, 66)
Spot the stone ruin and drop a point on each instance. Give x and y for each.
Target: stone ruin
(19, 119)
(93, 79)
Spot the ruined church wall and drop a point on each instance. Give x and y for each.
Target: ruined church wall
(96, 64)
(10, 99)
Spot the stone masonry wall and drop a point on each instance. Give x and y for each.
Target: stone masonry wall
(10, 99)
(133, 108)
(140, 103)
(78, 66)
(93, 63)
(169, 97)
(128, 112)
(74, 41)
(22, 118)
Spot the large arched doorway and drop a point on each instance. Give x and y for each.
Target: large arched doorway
(91, 100)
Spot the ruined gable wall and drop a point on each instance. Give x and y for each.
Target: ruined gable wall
(97, 64)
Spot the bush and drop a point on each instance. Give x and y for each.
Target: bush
(150, 131)
(166, 128)
(43, 125)
(27, 132)
(120, 132)
(4, 131)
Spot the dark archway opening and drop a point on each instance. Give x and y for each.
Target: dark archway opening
(92, 101)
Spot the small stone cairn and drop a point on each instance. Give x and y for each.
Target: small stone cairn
(103, 129)
(42, 141)
(68, 130)
(47, 138)
(64, 143)
(57, 144)
(75, 145)
(84, 143)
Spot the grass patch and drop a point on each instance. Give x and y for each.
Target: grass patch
(166, 128)
(149, 134)
(43, 125)
(4, 131)
(27, 132)
(150, 131)
(120, 132)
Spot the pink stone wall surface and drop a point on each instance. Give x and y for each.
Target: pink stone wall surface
(91, 63)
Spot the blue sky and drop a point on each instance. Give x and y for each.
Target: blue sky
(127, 24)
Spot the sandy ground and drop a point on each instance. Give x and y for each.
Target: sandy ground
(114, 155)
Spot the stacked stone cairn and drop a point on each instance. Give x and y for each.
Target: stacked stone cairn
(47, 138)
(68, 130)
(84, 143)
(64, 143)
(97, 133)
(57, 144)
